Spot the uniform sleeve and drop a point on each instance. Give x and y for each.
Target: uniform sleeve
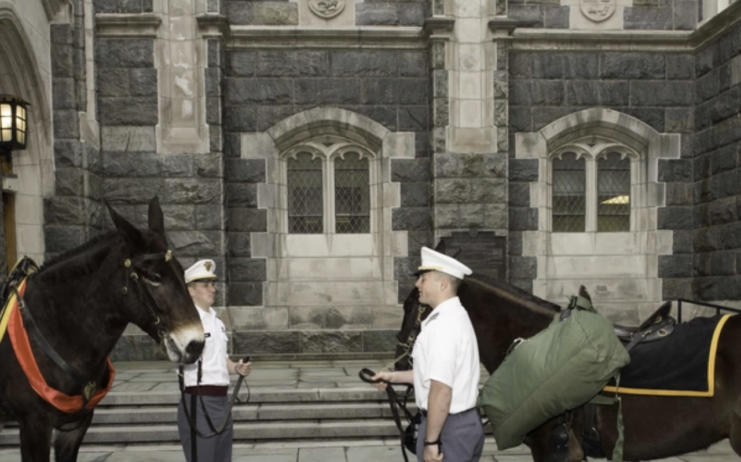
(441, 351)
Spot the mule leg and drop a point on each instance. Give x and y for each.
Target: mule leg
(67, 443)
(35, 437)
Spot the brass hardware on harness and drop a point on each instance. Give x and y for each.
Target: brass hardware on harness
(156, 320)
(168, 255)
(662, 333)
(134, 276)
(124, 290)
(658, 319)
(89, 391)
(127, 263)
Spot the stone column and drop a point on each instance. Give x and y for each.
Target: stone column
(470, 165)
(180, 59)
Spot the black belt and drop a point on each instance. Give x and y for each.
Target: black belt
(208, 390)
(424, 412)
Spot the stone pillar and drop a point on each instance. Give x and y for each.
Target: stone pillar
(470, 159)
(180, 61)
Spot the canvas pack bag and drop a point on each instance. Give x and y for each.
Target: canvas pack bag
(559, 369)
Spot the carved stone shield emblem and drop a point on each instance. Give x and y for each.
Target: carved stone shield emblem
(597, 10)
(326, 8)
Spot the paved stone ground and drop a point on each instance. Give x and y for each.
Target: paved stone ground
(133, 376)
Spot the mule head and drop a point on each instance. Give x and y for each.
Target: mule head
(156, 297)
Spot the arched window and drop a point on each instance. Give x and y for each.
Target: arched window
(305, 194)
(591, 186)
(352, 194)
(569, 193)
(613, 190)
(328, 185)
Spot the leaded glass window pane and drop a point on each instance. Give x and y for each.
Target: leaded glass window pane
(569, 197)
(305, 195)
(352, 194)
(613, 193)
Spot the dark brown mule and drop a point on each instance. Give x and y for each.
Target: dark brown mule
(82, 301)
(655, 427)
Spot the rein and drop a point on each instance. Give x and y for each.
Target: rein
(399, 401)
(396, 403)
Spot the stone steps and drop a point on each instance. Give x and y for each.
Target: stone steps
(272, 414)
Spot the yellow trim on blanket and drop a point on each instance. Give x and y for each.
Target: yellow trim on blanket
(698, 394)
(5, 315)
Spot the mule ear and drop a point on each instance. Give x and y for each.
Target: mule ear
(440, 247)
(156, 218)
(584, 293)
(132, 236)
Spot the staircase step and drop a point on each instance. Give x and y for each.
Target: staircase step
(255, 395)
(138, 434)
(263, 412)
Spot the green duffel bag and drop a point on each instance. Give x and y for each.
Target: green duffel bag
(557, 370)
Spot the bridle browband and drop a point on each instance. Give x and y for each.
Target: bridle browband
(144, 296)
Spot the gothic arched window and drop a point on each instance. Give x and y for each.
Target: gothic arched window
(591, 187)
(328, 188)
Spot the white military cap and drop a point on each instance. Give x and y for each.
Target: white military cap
(436, 261)
(202, 269)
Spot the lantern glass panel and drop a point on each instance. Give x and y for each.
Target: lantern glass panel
(6, 135)
(22, 137)
(5, 111)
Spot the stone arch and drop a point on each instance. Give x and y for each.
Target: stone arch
(35, 165)
(619, 269)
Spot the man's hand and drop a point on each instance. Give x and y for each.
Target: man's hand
(383, 375)
(432, 453)
(242, 368)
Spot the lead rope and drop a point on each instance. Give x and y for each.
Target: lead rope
(192, 418)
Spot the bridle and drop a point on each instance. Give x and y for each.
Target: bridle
(145, 297)
(408, 345)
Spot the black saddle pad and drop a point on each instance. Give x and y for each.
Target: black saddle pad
(682, 364)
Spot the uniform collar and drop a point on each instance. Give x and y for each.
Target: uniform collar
(210, 314)
(442, 308)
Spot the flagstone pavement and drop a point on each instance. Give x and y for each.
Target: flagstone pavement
(159, 375)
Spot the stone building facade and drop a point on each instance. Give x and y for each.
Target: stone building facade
(312, 147)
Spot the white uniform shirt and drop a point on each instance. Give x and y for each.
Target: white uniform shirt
(213, 360)
(446, 351)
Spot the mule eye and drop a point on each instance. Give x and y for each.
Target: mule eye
(152, 278)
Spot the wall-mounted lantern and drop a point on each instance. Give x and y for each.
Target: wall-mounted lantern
(13, 124)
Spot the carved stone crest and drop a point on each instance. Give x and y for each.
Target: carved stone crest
(326, 8)
(597, 10)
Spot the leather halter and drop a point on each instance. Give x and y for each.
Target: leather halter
(412, 336)
(145, 297)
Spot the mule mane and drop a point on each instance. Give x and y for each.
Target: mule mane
(80, 260)
(516, 296)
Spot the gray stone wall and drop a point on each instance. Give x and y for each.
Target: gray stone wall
(391, 12)
(266, 13)
(547, 14)
(643, 15)
(123, 6)
(715, 181)
(662, 15)
(263, 87)
(72, 214)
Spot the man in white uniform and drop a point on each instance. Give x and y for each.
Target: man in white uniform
(446, 367)
(215, 367)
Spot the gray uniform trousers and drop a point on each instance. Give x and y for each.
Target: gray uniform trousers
(462, 437)
(217, 448)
